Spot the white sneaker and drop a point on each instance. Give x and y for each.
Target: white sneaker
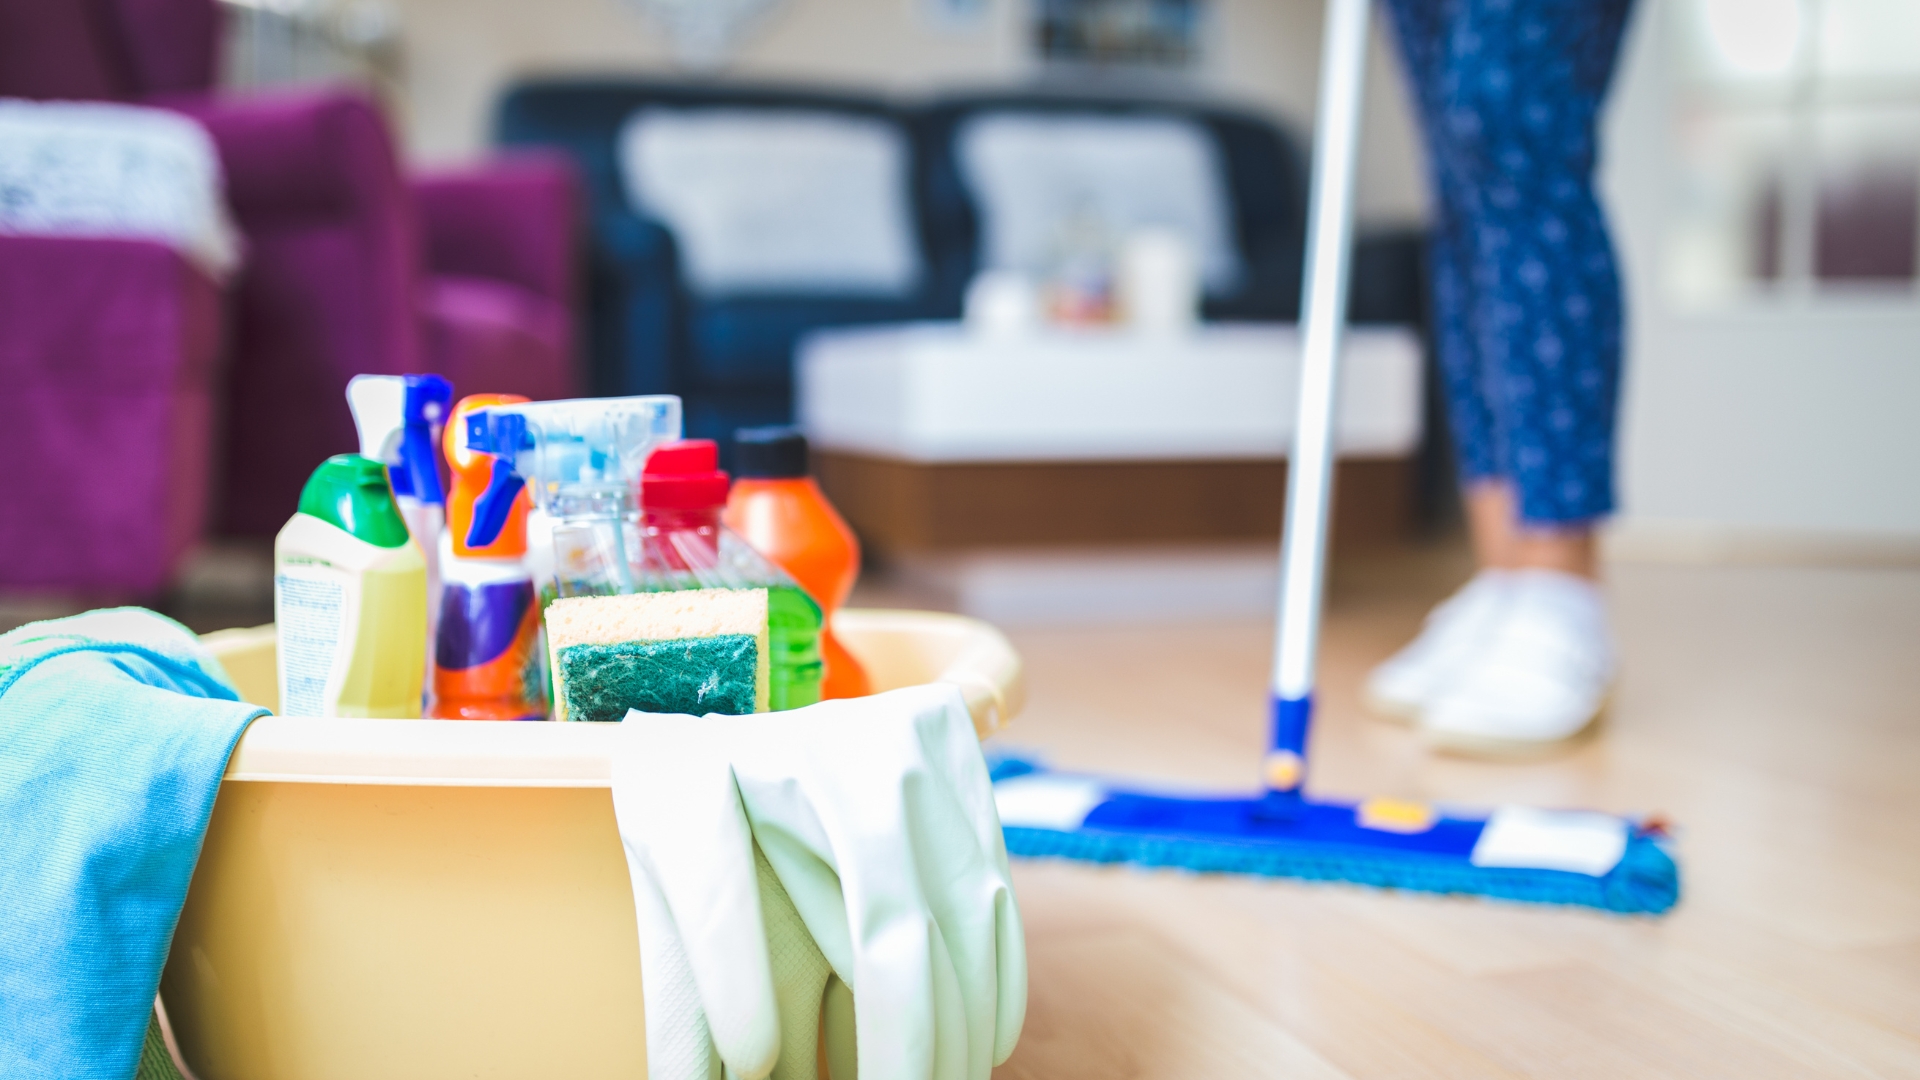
(1402, 687)
(1540, 677)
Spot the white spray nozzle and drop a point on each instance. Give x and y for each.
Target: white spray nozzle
(379, 404)
(399, 417)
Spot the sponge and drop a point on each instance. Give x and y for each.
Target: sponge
(698, 651)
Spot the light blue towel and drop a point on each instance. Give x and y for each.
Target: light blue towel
(115, 727)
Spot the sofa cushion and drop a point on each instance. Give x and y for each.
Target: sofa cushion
(1035, 175)
(793, 201)
(113, 316)
(513, 219)
(491, 337)
(748, 342)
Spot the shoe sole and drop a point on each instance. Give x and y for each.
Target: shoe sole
(1494, 748)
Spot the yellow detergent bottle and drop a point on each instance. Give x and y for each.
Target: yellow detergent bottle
(349, 598)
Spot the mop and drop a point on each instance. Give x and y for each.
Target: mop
(1514, 853)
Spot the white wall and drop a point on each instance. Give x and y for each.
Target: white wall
(1763, 429)
(459, 54)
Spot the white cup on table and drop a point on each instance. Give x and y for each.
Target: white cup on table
(1159, 282)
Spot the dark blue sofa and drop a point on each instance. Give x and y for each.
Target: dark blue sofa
(730, 357)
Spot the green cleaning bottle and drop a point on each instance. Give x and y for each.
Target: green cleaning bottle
(683, 545)
(349, 598)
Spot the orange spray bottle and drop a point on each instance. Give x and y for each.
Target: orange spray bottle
(776, 507)
(487, 657)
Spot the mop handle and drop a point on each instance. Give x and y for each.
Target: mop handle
(1336, 136)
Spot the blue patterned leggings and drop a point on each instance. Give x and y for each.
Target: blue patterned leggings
(1526, 295)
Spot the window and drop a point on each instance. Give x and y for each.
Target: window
(1798, 134)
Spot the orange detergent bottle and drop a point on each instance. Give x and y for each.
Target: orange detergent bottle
(776, 507)
(487, 655)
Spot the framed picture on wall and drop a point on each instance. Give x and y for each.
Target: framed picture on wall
(1131, 33)
(954, 14)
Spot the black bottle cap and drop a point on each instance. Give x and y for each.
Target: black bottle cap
(769, 453)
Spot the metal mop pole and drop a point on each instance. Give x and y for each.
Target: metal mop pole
(1343, 58)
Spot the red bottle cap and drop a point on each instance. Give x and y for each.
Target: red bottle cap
(684, 475)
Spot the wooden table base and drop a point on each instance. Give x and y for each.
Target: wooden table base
(903, 506)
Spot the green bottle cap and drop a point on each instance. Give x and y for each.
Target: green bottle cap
(353, 492)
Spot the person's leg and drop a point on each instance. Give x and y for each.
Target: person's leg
(1401, 687)
(1502, 542)
(1509, 105)
(1523, 114)
(1425, 31)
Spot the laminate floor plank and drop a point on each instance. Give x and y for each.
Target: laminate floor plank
(1118, 1003)
(1828, 1039)
(1668, 1035)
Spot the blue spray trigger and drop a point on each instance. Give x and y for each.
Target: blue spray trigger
(492, 508)
(427, 400)
(499, 434)
(421, 471)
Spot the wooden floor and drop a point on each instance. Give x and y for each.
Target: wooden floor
(1772, 713)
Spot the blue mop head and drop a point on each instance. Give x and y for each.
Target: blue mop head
(1586, 859)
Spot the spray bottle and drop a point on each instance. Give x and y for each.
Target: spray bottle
(582, 461)
(488, 662)
(349, 598)
(399, 419)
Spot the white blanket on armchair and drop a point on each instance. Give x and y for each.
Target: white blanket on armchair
(71, 168)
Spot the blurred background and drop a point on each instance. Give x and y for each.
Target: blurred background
(932, 232)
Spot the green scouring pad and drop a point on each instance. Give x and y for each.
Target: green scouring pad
(699, 651)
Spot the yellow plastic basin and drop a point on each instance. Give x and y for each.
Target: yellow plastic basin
(438, 898)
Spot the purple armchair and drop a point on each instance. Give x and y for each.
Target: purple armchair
(342, 278)
(350, 267)
(109, 349)
(108, 363)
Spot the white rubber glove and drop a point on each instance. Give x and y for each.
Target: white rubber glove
(697, 902)
(876, 817)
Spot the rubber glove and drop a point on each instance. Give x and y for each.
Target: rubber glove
(876, 820)
(696, 900)
(877, 816)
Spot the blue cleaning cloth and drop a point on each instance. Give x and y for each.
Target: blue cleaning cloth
(115, 728)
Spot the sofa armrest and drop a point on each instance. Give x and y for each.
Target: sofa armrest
(119, 316)
(637, 310)
(1389, 282)
(303, 156)
(515, 219)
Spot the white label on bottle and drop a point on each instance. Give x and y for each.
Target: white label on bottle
(309, 607)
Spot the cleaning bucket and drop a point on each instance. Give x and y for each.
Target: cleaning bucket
(442, 898)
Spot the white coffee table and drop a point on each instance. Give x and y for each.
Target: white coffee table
(939, 393)
(934, 437)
